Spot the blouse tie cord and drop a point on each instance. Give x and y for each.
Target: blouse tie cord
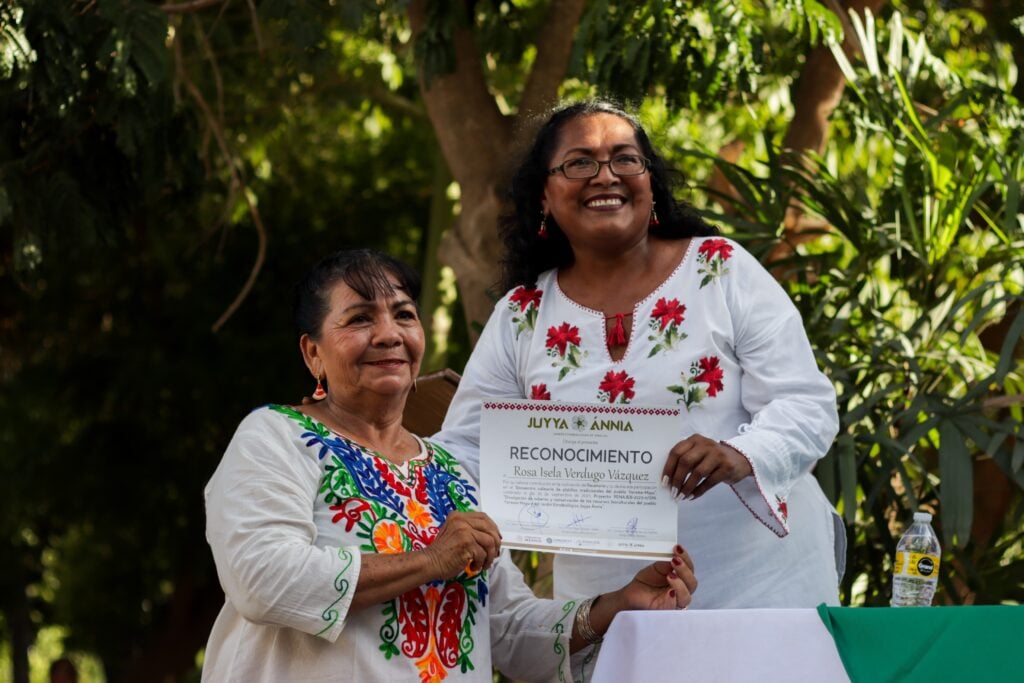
(617, 335)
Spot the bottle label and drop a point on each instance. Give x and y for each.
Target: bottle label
(917, 564)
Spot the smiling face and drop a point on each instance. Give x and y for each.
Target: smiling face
(367, 346)
(606, 212)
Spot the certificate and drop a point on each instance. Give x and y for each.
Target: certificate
(579, 478)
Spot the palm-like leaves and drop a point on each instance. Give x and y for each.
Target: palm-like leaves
(924, 250)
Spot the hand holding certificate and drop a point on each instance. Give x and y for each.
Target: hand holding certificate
(579, 478)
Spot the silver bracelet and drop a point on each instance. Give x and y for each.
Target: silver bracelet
(583, 625)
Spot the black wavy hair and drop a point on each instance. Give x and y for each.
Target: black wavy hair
(366, 271)
(527, 255)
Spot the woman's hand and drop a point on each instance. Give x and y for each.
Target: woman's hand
(468, 541)
(697, 463)
(662, 585)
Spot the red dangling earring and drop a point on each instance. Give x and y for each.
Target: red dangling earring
(319, 394)
(542, 232)
(654, 216)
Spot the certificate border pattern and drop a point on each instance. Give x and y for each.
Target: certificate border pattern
(577, 408)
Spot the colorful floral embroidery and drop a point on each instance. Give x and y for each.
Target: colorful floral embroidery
(616, 386)
(666, 319)
(563, 346)
(712, 255)
(782, 508)
(524, 303)
(705, 379)
(395, 513)
(539, 392)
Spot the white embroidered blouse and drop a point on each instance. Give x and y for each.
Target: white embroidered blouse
(290, 511)
(721, 338)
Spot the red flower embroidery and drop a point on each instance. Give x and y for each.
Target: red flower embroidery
(709, 248)
(711, 375)
(539, 392)
(616, 383)
(562, 335)
(783, 508)
(526, 297)
(669, 312)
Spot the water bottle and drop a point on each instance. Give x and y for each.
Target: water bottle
(916, 570)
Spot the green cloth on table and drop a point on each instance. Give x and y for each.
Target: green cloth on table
(931, 644)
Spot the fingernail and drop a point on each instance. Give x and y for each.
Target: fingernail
(673, 574)
(679, 549)
(664, 481)
(672, 593)
(675, 492)
(676, 561)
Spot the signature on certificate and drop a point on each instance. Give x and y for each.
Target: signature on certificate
(631, 526)
(531, 516)
(577, 519)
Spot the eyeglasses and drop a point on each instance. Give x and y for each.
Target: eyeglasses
(585, 167)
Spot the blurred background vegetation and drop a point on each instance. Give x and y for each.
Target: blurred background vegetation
(167, 170)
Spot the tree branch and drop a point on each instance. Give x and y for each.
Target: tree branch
(256, 26)
(211, 57)
(462, 110)
(237, 179)
(554, 47)
(821, 83)
(186, 7)
(1003, 401)
(818, 92)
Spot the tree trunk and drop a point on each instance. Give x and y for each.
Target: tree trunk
(20, 625)
(171, 653)
(477, 142)
(430, 297)
(818, 92)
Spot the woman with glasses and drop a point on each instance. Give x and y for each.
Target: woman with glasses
(618, 293)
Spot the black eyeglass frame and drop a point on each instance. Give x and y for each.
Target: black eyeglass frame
(561, 167)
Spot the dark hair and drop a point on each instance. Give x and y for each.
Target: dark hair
(526, 254)
(364, 270)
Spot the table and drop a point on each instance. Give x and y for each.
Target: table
(979, 644)
(763, 645)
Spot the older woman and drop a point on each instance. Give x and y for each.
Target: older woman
(352, 550)
(618, 293)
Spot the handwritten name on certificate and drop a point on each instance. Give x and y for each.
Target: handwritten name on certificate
(579, 478)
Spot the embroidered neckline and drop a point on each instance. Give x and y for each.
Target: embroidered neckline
(636, 307)
(405, 472)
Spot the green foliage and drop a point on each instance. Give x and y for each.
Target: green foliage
(700, 55)
(922, 257)
(126, 232)
(137, 150)
(694, 54)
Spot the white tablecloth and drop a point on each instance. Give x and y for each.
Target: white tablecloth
(762, 645)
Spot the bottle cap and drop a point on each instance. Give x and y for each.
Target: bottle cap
(922, 517)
